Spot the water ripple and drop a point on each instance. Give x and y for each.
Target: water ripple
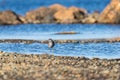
(100, 50)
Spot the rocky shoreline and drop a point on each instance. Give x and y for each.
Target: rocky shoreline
(49, 67)
(28, 41)
(60, 14)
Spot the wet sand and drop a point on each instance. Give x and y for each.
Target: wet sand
(49, 67)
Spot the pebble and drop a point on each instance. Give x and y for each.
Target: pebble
(49, 67)
(82, 41)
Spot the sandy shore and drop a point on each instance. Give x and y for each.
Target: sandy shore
(49, 67)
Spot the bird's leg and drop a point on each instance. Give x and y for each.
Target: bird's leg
(52, 51)
(49, 51)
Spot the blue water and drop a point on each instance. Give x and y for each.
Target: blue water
(99, 50)
(46, 31)
(22, 6)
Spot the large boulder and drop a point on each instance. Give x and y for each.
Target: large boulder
(111, 13)
(55, 14)
(9, 17)
(70, 15)
(40, 15)
(57, 7)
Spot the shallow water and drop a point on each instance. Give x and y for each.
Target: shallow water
(100, 50)
(45, 31)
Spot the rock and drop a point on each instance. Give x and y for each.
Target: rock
(23, 19)
(9, 17)
(70, 15)
(116, 39)
(70, 32)
(54, 14)
(57, 7)
(64, 16)
(111, 13)
(40, 15)
(78, 9)
(45, 66)
(79, 12)
(91, 18)
(1, 53)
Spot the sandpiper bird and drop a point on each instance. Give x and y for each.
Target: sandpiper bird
(51, 43)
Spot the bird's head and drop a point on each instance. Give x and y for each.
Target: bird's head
(49, 39)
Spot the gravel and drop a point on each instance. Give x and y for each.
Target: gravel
(49, 67)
